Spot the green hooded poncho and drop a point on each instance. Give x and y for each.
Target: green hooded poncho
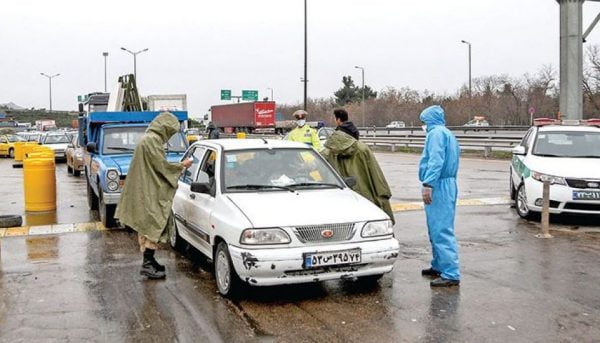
(351, 157)
(146, 200)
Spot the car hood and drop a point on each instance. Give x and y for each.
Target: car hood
(582, 168)
(122, 162)
(305, 207)
(57, 146)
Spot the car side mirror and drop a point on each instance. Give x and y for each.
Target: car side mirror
(350, 181)
(201, 187)
(91, 147)
(519, 150)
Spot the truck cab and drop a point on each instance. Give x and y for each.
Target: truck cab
(110, 139)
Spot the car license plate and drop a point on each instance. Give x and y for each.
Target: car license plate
(586, 195)
(332, 258)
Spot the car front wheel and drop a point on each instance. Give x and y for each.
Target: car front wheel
(107, 214)
(11, 153)
(175, 240)
(521, 203)
(228, 282)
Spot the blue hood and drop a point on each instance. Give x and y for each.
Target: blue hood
(433, 116)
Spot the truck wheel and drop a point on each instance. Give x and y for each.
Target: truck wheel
(228, 282)
(107, 214)
(92, 199)
(11, 153)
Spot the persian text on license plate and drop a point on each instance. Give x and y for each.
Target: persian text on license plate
(586, 195)
(332, 258)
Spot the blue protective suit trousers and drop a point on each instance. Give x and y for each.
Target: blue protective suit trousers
(440, 224)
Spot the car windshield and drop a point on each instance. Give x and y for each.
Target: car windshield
(122, 140)
(277, 170)
(13, 139)
(55, 139)
(567, 144)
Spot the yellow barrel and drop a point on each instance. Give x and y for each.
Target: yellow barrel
(19, 151)
(40, 151)
(28, 147)
(39, 181)
(241, 135)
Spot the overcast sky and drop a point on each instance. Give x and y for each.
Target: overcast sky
(200, 47)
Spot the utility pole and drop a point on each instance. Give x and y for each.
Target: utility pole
(50, 77)
(469, 44)
(134, 54)
(271, 89)
(105, 54)
(363, 95)
(305, 80)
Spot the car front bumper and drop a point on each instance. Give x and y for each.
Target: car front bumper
(561, 199)
(266, 267)
(111, 198)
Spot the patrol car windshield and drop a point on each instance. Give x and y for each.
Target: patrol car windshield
(55, 139)
(122, 140)
(577, 144)
(276, 170)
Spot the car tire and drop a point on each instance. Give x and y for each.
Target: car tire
(370, 279)
(175, 240)
(10, 221)
(69, 169)
(92, 199)
(107, 214)
(76, 172)
(521, 203)
(512, 192)
(11, 153)
(228, 282)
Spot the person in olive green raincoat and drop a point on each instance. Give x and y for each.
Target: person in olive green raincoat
(145, 203)
(351, 157)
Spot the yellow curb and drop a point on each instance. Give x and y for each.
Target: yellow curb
(2, 231)
(406, 207)
(469, 202)
(17, 231)
(100, 226)
(84, 227)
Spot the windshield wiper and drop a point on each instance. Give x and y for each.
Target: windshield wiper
(587, 156)
(119, 148)
(304, 184)
(549, 155)
(260, 187)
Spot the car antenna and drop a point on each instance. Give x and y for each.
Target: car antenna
(264, 140)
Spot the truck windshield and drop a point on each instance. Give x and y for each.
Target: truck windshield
(568, 144)
(122, 140)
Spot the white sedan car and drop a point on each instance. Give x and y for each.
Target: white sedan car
(272, 212)
(58, 142)
(568, 156)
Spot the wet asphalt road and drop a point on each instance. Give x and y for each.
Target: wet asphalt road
(515, 287)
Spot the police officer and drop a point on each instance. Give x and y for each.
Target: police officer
(303, 132)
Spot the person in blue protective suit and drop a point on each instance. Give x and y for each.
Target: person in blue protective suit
(437, 173)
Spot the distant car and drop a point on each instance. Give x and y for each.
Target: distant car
(193, 135)
(74, 156)
(7, 145)
(30, 136)
(396, 125)
(273, 212)
(566, 155)
(477, 121)
(58, 142)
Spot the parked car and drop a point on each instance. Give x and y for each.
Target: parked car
(566, 154)
(477, 121)
(7, 145)
(74, 155)
(30, 136)
(272, 212)
(58, 142)
(396, 125)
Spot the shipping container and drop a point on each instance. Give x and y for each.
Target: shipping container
(245, 116)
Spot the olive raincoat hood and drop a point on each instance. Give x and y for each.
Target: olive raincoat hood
(351, 157)
(145, 203)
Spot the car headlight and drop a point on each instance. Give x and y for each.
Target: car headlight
(112, 174)
(554, 180)
(112, 186)
(265, 236)
(378, 228)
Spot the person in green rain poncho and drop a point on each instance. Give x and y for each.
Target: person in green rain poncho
(145, 203)
(351, 157)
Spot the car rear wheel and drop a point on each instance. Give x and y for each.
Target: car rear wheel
(521, 203)
(228, 282)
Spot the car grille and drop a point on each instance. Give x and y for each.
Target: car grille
(582, 207)
(583, 184)
(314, 233)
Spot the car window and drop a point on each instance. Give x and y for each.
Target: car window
(208, 168)
(3, 140)
(197, 154)
(525, 140)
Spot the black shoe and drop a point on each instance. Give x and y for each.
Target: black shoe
(441, 282)
(157, 265)
(430, 272)
(151, 272)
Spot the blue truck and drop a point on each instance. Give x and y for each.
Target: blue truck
(110, 139)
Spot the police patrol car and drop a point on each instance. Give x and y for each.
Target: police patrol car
(565, 153)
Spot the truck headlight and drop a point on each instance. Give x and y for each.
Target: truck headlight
(112, 174)
(112, 186)
(264, 236)
(554, 180)
(378, 228)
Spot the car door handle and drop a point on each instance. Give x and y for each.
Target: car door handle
(192, 196)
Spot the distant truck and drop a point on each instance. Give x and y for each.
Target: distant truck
(45, 125)
(109, 139)
(244, 117)
(169, 102)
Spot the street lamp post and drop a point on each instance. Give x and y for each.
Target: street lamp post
(363, 93)
(105, 54)
(134, 54)
(469, 44)
(50, 77)
(305, 80)
(271, 89)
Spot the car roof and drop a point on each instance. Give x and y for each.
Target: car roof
(551, 128)
(250, 144)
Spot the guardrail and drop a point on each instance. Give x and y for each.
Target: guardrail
(464, 129)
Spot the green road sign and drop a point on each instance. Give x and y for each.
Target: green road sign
(250, 95)
(225, 94)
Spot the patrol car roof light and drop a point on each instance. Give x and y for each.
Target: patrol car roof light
(592, 122)
(545, 121)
